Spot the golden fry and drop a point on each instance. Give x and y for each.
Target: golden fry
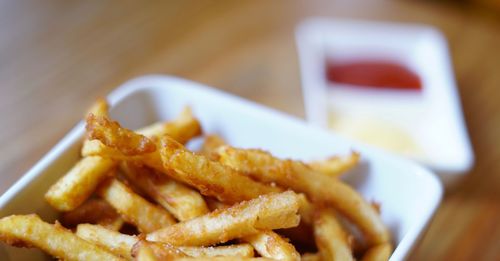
(182, 129)
(93, 211)
(30, 230)
(145, 250)
(272, 211)
(380, 252)
(331, 239)
(99, 108)
(79, 183)
(320, 188)
(211, 178)
(211, 143)
(113, 135)
(236, 250)
(271, 245)
(113, 241)
(183, 202)
(133, 208)
(335, 166)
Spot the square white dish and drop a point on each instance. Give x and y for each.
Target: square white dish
(431, 120)
(409, 194)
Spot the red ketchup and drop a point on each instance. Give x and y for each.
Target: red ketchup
(373, 74)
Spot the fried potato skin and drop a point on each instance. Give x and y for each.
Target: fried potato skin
(272, 211)
(182, 201)
(79, 183)
(30, 230)
(298, 176)
(330, 237)
(113, 135)
(133, 208)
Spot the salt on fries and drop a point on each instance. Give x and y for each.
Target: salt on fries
(298, 176)
(220, 203)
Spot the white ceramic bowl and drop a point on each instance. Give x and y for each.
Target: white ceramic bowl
(432, 119)
(408, 193)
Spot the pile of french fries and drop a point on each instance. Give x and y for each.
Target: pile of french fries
(142, 195)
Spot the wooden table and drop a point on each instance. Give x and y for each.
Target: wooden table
(56, 57)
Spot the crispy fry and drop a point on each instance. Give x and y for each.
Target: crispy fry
(113, 135)
(270, 211)
(380, 252)
(269, 244)
(211, 178)
(146, 250)
(78, 184)
(298, 176)
(182, 129)
(133, 208)
(99, 108)
(331, 239)
(335, 166)
(121, 244)
(211, 143)
(113, 241)
(93, 211)
(183, 202)
(236, 250)
(30, 230)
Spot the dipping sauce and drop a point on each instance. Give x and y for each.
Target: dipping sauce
(373, 74)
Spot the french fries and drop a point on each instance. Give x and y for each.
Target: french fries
(79, 183)
(93, 211)
(330, 237)
(142, 195)
(335, 166)
(113, 241)
(145, 250)
(272, 211)
(133, 208)
(298, 176)
(211, 143)
(236, 250)
(30, 230)
(122, 245)
(271, 245)
(211, 178)
(182, 129)
(183, 202)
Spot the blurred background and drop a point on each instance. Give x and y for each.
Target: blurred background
(56, 57)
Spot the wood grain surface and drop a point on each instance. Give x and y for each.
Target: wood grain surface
(56, 57)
